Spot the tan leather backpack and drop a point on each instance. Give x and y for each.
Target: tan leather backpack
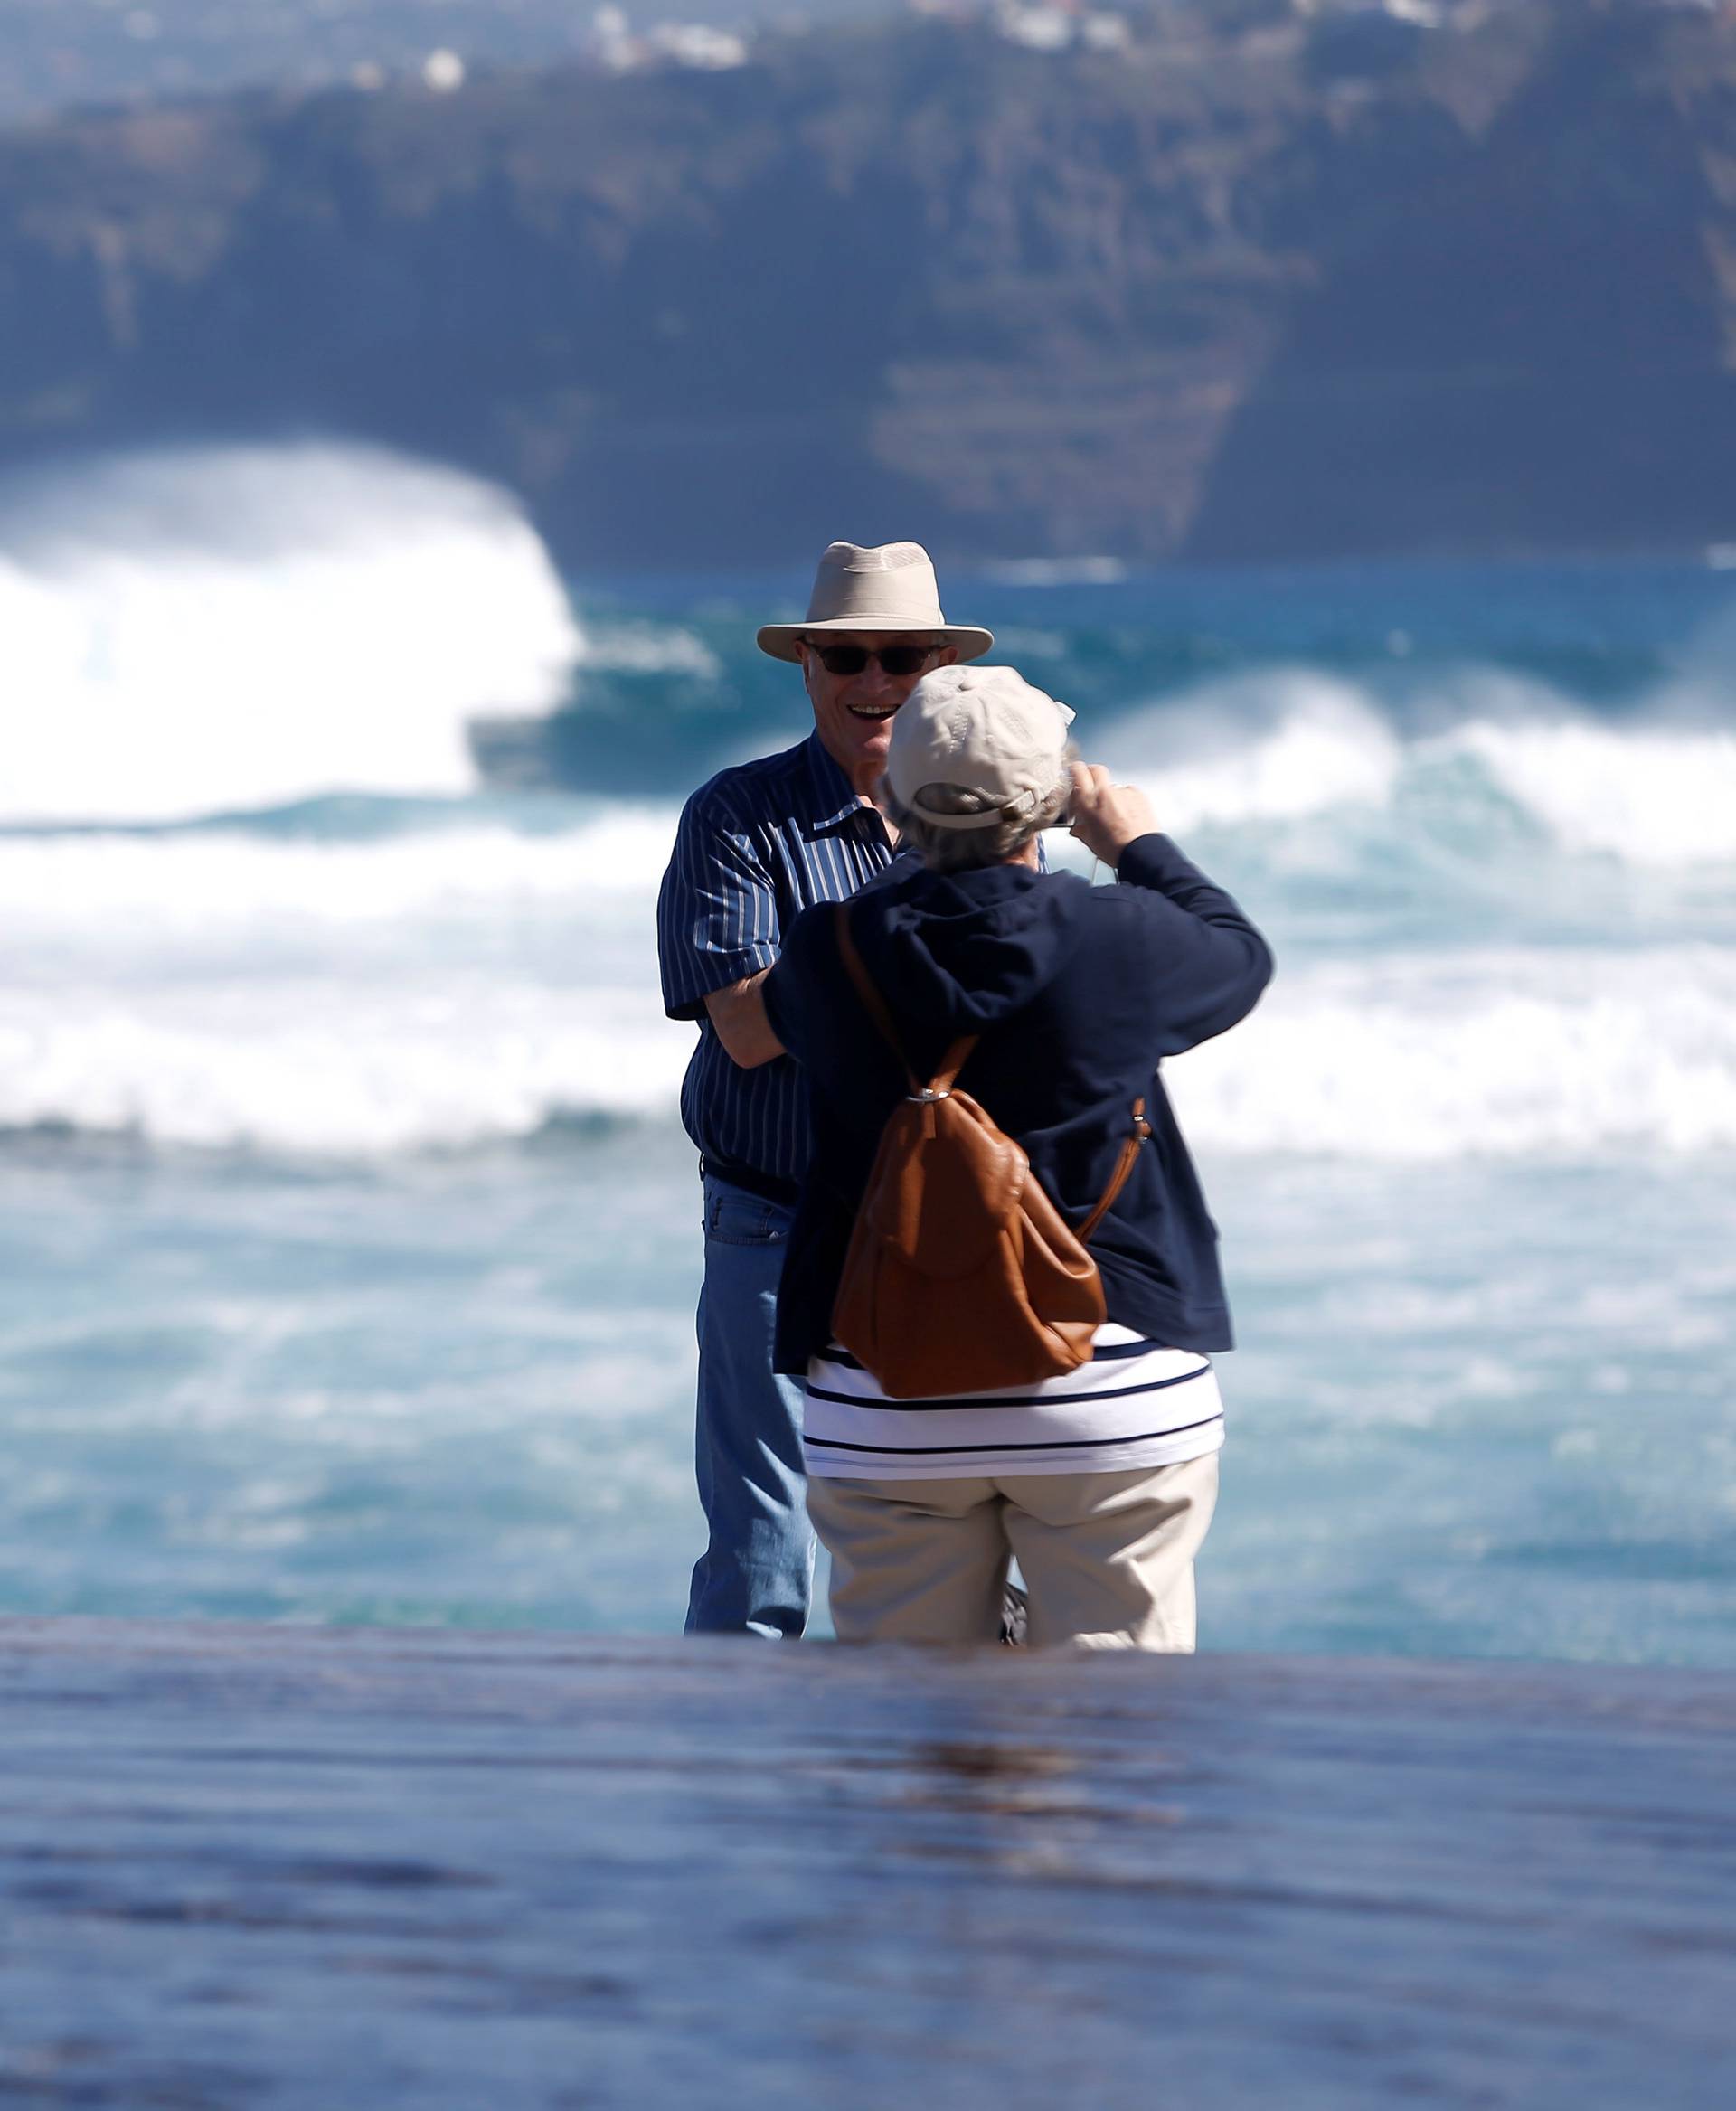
(962, 1274)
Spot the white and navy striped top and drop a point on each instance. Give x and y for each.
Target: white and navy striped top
(756, 846)
(1135, 1405)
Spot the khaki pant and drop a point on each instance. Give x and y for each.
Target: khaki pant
(1108, 1557)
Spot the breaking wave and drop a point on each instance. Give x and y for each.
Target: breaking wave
(213, 629)
(1502, 921)
(1650, 797)
(1288, 745)
(237, 989)
(1514, 1054)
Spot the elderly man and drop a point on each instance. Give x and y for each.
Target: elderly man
(756, 845)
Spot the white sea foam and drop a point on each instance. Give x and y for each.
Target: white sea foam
(218, 629)
(233, 989)
(137, 909)
(1266, 748)
(355, 1064)
(1649, 796)
(652, 648)
(350, 1064)
(1055, 571)
(451, 988)
(247, 987)
(1292, 744)
(1498, 1052)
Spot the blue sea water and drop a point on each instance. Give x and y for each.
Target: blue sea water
(350, 1238)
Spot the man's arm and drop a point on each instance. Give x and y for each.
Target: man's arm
(718, 930)
(739, 1015)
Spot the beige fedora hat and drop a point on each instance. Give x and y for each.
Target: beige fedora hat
(890, 587)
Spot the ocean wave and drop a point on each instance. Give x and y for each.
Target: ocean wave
(1647, 796)
(1246, 760)
(1502, 1052)
(1449, 895)
(202, 631)
(353, 1067)
(210, 628)
(1275, 746)
(1055, 572)
(139, 907)
(651, 648)
(1294, 744)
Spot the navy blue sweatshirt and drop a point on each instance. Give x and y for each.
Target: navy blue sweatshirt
(1078, 992)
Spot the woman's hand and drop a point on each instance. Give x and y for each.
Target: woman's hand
(1108, 816)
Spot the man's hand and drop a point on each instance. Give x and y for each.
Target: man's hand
(739, 1015)
(1106, 817)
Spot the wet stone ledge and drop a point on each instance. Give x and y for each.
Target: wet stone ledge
(267, 1867)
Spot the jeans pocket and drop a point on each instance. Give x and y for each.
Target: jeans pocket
(735, 1217)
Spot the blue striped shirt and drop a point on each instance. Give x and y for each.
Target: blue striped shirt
(756, 846)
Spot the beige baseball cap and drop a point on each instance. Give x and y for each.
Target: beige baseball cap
(985, 729)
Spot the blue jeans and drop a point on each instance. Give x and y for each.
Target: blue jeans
(757, 1572)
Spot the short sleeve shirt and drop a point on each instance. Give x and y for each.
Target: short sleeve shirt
(756, 847)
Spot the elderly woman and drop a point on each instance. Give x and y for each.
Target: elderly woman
(1102, 1482)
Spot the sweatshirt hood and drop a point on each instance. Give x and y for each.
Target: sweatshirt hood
(971, 947)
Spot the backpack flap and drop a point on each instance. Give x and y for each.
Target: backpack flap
(945, 1183)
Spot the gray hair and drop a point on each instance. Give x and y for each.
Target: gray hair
(958, 850)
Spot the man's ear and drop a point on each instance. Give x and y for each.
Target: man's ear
(947, 656)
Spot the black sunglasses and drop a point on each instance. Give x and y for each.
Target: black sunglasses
(851, 659)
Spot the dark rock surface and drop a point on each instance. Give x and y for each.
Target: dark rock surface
(248, 1867)
(1253, 286)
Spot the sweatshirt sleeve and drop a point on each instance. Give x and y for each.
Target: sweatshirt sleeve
(1209, 962)
(788, 991)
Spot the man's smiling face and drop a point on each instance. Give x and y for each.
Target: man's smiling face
(853, 709)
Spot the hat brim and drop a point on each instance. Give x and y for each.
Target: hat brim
(781, 639)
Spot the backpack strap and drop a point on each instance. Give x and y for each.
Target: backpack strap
(954, 1061)
(1124, 1165)
(875, 1004)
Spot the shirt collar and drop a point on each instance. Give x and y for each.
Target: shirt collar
(834, 796)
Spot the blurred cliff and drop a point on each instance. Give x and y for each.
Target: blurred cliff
(1247, 280)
